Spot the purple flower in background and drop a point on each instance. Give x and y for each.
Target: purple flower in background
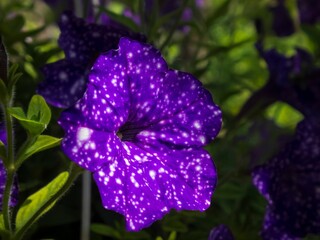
(3, 175)
(282, 23)
(294, 80)
(309, 11)
(290, 182)
(221, 232)
(65, 80)
(140, 129)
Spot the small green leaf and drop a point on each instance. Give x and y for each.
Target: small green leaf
(33, 127)
(172, 236)
(38, 110)
(35, 205)
(105, 230)
(41, 143)
(37, 118)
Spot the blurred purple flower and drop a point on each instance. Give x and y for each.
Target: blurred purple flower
(309, 11)
(290, 182)
(3, 175)
(293, 80)
(65, 80)
(221, 232)
(140, 128)
(282, 23)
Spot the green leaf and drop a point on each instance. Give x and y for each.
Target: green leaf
(42, 142)
(105, 230)
(38, 110)
(37, 118)
(172, 236)
(35, 205)
(33, 127)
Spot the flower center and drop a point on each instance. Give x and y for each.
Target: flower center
(128, 132)
(119, 134)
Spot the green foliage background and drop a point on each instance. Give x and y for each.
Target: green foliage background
(219, 50)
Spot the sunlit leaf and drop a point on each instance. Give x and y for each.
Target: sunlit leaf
(37, 118)
(37, 204)
(38, 110)
(31, 126)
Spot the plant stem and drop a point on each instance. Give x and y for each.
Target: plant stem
(86, 206)
(74, 173)
(10, 169)
(6, 201)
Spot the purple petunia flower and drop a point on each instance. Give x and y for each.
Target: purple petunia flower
(309, 11)
(140, 128)
(282, 23)
(290, 182)
(221, 232)
(3, 176)
(293, 80)
(65, 80)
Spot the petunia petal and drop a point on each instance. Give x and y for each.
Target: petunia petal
(273, 230)
(291, 181)
(88, 147)
(196, 125)
(64, 83)
(221, 232)
(144, 185)
(83, 42)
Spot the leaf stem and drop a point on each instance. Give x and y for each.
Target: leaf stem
(74, 173)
